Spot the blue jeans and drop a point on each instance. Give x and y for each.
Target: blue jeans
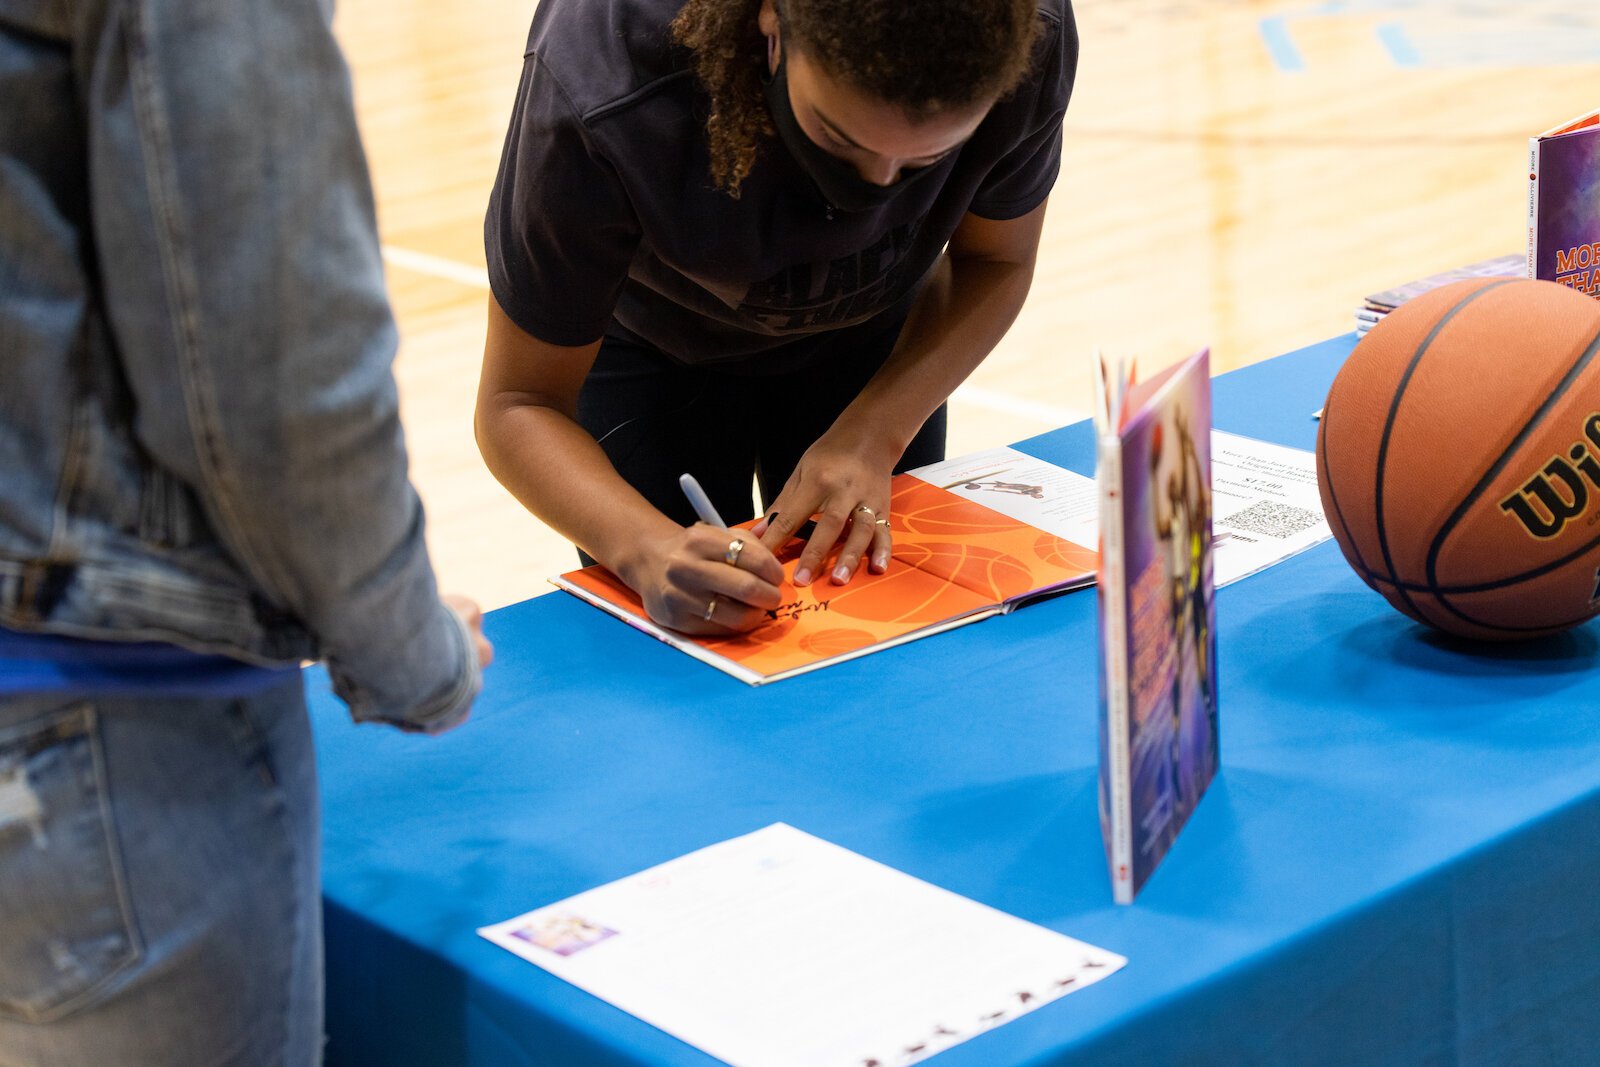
(159, 881)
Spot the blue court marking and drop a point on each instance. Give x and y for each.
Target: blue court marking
(1275, 32)
(1394, 38)
(1454, 33)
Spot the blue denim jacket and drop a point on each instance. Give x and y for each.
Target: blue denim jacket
(199, 435)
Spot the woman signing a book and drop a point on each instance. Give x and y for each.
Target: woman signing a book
(756, 239)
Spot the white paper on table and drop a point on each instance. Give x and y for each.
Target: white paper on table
(779, 949)
(1041, 494)
(1265, 506)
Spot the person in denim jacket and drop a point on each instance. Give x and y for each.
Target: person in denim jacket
(202, 484)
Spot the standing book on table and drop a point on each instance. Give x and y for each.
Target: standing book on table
(1158, 646)
(1564, 205)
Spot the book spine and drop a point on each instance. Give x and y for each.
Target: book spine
(1114, 649)
(1533, 207)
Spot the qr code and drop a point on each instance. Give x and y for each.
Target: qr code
(1272, 520)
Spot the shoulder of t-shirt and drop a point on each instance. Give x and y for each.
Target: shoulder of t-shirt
(609, 56)
(1042, 97)
(1055, 12)
(1056, 50)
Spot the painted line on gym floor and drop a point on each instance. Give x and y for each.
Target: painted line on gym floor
(436, 266)
(1401, 50)
(1051, 415)
(1275, 33)
(1047, 414)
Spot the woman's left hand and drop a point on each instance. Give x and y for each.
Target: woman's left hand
(845, 487)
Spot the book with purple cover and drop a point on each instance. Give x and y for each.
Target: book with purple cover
(1158, 645)
(1564, 205)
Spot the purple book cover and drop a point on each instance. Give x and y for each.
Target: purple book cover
(1506, 266)
(1564, 209)
(1167, 617)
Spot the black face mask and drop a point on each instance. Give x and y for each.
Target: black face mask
(840, 185)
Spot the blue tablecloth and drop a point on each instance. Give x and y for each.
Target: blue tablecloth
(1400, 861)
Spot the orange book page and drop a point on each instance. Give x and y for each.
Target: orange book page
(994, 555)
(952, 558)
(1582, 122)
(821, 620)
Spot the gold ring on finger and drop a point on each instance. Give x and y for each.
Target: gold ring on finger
(711, 608)
(731, 556)
(882, 522)
(871, 514)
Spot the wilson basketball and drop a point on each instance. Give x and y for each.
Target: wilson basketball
(1459, 458)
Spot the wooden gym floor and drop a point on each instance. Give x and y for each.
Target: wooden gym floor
(1237, 173)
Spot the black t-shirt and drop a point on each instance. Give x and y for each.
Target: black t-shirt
(604, 207)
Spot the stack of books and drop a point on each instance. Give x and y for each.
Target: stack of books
(1381, 303)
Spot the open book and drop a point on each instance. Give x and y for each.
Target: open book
(973, 537)
(1158, 644)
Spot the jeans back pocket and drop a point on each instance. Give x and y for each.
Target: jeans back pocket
(63, 900)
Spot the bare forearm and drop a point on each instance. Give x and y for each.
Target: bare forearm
(962, 313)
(530, 438)
(558, 472)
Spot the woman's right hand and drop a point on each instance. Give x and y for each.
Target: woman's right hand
(527, 404)
(687, 582)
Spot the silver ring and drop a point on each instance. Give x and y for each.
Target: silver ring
(871, 513)
(882, 522)
(711, 608)
(731, 556)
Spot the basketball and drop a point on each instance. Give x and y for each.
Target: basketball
(1459, 458)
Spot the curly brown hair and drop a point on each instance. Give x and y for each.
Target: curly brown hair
(925, 57)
